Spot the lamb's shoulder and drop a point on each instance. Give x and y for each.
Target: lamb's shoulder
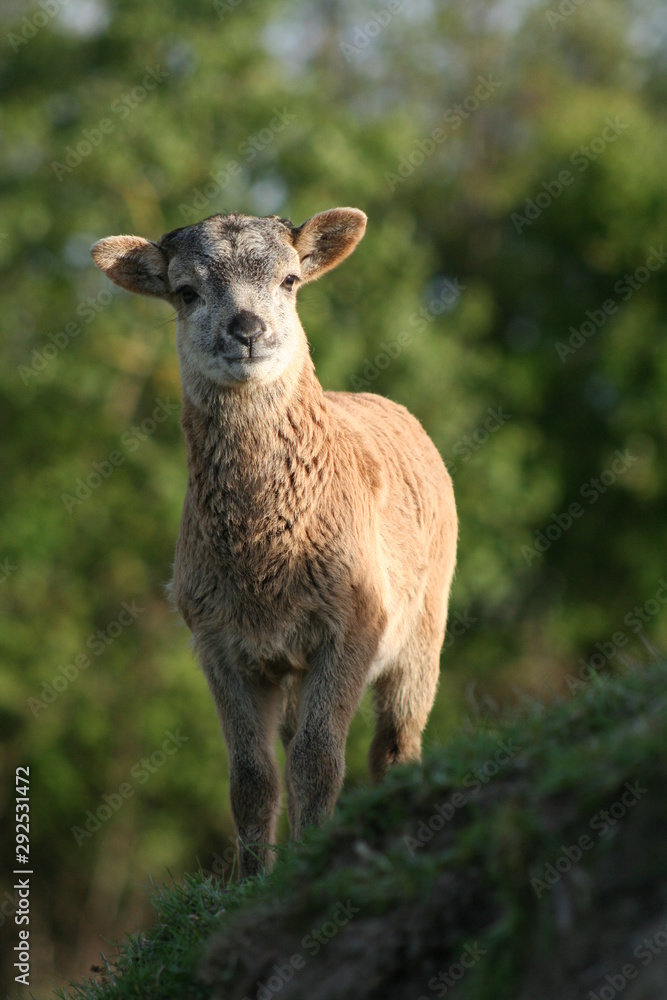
(403, 456)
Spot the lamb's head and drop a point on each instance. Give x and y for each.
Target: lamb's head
(232, 280)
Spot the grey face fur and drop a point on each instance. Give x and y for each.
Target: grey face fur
(232, 280)
(233, 283)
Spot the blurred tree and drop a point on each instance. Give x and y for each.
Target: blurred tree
(510, 290)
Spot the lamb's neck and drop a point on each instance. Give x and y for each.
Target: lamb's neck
(259, 456)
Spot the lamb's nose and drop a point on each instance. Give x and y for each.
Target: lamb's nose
(246, 327)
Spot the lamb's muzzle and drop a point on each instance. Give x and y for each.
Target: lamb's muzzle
(318, 538)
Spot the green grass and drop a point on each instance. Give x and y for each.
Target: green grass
(566, 762)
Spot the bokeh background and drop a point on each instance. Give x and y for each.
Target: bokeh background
(511, 291)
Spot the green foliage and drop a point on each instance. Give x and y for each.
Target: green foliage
(187, 914)
(315, 110)
(383, 855)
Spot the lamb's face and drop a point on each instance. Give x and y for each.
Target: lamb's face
(233, 282)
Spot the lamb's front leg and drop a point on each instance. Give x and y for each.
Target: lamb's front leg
(249, 708)
(330, 696)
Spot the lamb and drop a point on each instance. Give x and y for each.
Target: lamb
(318, 537)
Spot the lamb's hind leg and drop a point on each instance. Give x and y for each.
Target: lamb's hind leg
(403, 698)
(249, 707)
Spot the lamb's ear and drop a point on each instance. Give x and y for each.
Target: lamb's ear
(133, 263)
(326, 239)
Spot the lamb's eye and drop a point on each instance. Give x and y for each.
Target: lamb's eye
(290, 281)
(187, 294)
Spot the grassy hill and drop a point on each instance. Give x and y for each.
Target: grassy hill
(524, 860)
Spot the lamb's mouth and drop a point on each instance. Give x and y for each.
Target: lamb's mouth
(246, 359)
(247, 353)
